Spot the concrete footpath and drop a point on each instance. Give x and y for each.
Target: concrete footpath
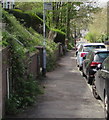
(67, 95)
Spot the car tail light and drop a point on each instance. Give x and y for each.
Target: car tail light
(94, 63)
(83, 54)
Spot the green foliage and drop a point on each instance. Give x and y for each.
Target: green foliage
(26, 36)
(20, 38)
(99, 23)
(51, 61)
(27, 18)
(58, 31)
(5, 36)
(51, 55)
(103, 38)
(29, 88)
(12, 105)
(33, 7)
(18, 30)
(17, 38)
(91, 37)
(70, 46)
(98, 27)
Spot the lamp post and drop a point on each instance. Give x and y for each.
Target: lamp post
(44, 40)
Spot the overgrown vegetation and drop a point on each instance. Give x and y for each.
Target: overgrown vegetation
(20, 39)
(24, 32)
(98, 27)
(24, 88)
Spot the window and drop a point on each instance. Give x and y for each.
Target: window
(90, 47)
(80, 49)
(100, 57)
(89, 55)
(106, 64)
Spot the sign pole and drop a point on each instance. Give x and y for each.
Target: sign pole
(46, 6)
(44, 41)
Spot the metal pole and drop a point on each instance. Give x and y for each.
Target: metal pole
(8, 83)
(44, 42)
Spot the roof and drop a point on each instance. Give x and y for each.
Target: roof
(100, 50)
(93, 44)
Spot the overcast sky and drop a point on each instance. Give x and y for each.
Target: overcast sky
(102, 2)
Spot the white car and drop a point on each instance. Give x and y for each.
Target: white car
(78, 46)
(84, 49)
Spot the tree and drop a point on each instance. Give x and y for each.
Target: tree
(98, 27)
(68, 17)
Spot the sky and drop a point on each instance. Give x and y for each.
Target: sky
(102, 2)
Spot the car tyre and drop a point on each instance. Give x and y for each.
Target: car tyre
(77, 63)
(83, 74)
(95, 94)
(106, 107)
(80, 68)
(89, 80)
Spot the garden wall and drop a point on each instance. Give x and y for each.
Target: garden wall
(34, 64)
(0, 84)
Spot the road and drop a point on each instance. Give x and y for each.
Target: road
(67, 94)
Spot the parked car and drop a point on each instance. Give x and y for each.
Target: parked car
(78, 46)
(100, 85)
(84, 49)
(93, 58)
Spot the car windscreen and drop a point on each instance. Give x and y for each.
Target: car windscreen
(91, 47)
(100, 57)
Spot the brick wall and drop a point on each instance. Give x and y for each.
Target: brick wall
(33, 66)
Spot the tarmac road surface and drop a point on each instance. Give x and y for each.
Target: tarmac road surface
(67, 94)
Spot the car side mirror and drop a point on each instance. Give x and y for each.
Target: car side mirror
(99, 66)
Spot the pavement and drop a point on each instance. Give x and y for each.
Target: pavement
(67, 94)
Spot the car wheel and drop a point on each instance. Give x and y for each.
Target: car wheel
(83, 74)
(89, 80)
(106, 107)
(95, 94)
(80, 68)
(77, 63)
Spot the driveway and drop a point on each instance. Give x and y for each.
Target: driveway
(67, 94)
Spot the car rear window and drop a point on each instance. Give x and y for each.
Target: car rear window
(90, 47)
(100, 57)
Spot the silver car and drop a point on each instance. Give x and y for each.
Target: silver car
(84, 49)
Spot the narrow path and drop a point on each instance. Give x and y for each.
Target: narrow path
(66, 95)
